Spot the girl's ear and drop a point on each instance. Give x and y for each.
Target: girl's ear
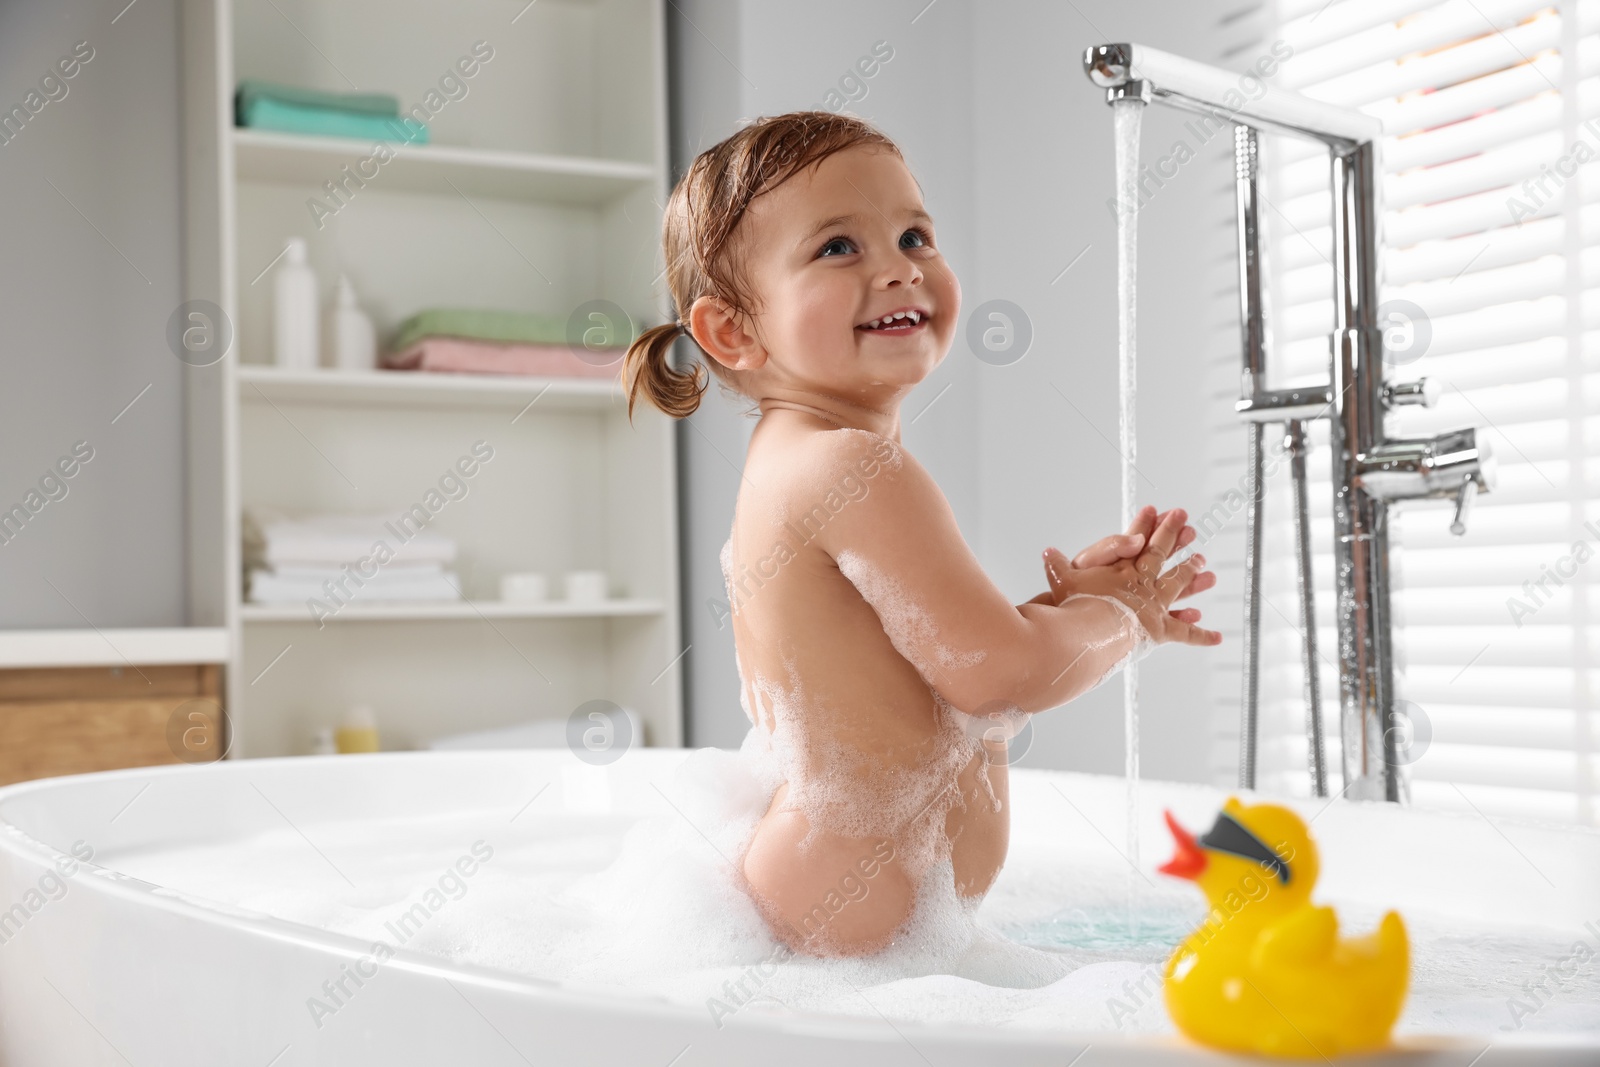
(725, 334)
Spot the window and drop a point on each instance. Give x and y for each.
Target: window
(1490, 284)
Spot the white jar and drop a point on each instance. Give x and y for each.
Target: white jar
(524, 587)
(586, 587)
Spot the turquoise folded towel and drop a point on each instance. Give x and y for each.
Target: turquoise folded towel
(264, 105)
(253, 89)
(266, 113)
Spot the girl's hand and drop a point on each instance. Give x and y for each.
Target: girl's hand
(1139, 583)
(1128, 545)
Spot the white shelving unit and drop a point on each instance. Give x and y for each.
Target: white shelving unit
(539, 191)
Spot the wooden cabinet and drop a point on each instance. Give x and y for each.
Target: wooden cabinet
(72, 720)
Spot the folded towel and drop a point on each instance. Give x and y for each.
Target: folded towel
(483, 324)
(266, 113)
(387, 585)
(253, 89)
(333, 540)
(401, 568)
(456, 356)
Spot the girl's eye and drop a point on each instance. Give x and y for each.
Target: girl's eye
(919, 233)
(916, 231)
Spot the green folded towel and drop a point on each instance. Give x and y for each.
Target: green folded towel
(265, 113)
(265, 105)
(481, 324)
(253, 89)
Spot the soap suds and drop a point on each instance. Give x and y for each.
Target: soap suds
(1143, 643)
(908, 625)
(843, 791)
(725, 557)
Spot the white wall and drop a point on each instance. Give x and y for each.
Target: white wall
(1049, 469)
(1012, 146)
(89, 273)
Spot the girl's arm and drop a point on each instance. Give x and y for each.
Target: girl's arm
(899, 544)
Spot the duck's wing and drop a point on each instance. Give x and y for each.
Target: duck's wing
(1305, 936)
(1385, 950)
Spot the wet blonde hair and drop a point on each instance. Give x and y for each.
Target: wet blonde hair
(698, 230)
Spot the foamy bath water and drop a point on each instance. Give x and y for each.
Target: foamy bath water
(649, 905)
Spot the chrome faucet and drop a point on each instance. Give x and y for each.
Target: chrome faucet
(1372, 471)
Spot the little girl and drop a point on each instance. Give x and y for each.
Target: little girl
(876, 659)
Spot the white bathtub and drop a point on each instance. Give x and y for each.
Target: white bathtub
(110, 969)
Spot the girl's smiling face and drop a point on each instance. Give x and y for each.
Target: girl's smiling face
(830, 250)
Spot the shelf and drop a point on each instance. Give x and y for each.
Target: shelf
(399, 388)
(465, 610)
(285, 158)
(113, 648)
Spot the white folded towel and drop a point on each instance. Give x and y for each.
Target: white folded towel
(400, 568)
(338, 539)
(267, 587)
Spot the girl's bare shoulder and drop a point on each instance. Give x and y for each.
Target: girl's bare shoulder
(840, 487)
(797, 458)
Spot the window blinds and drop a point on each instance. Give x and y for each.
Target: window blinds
(1490, 284)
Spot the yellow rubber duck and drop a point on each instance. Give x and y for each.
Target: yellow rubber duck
(1267, 971)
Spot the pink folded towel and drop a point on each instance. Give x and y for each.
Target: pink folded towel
(457, 355)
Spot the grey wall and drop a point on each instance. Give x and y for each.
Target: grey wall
(89, 272)
(1013, 147)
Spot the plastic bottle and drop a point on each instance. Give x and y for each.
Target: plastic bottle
(322, 744)
(294, 311)
(355, 343)
(359, 732)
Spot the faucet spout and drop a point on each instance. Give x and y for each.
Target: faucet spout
(1226, 95)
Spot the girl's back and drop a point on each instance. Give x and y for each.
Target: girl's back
(875, 761)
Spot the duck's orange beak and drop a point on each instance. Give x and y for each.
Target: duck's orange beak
(1190, 859)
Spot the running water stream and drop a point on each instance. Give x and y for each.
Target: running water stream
(1126, 115)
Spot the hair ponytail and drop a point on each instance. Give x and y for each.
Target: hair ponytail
(647, 368)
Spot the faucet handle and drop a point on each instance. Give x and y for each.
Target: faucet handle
(1424, 391)
(1464, 498)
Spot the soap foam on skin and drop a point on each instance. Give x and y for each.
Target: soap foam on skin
(844, 791)
(1143, 643)
(907, 624)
